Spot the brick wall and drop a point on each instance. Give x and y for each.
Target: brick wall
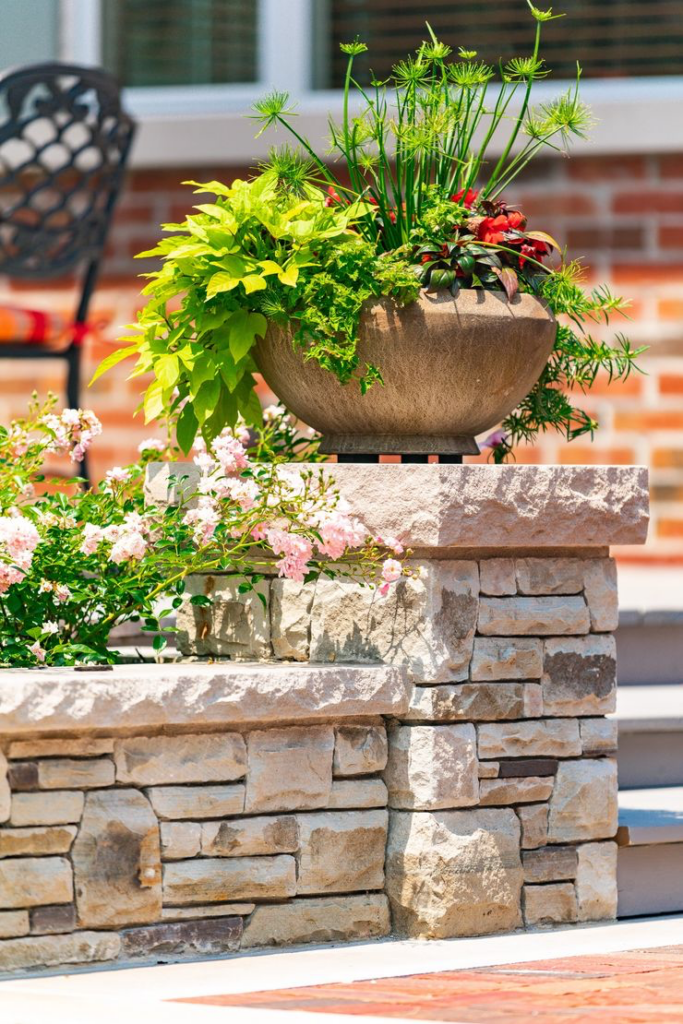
(623, 215)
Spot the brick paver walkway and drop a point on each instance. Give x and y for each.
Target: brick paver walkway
(637, 987)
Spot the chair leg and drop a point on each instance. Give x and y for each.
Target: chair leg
(73, 387)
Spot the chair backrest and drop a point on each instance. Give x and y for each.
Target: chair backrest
(64, 141)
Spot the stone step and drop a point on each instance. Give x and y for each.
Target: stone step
(650, 861)
(650, 736)
(650, 637)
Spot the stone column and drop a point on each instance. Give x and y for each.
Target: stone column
(501, 775)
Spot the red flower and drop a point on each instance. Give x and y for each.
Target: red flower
(492, 229)
(516, 220)
(332, 196)
(469, 199)
(533, 248)
(427, 258)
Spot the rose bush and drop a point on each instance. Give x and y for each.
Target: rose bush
(74, 563)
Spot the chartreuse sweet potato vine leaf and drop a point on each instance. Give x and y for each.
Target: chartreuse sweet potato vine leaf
(257, 254)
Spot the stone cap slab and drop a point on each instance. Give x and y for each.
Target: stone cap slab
(443, 507)
(195, 695)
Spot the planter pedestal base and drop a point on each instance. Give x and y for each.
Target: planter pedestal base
(393, 444)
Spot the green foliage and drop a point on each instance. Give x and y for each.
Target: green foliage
(261, 252)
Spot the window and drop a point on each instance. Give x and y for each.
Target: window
(609, 38)
(180, 42)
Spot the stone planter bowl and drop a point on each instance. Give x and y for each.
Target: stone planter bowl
(453, 367)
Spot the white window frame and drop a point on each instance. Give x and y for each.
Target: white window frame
(205, 124)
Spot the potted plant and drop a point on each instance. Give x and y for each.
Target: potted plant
(400, 304)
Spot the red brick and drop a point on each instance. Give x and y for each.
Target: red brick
(584, 455)
(629, 388)
(653, 419)
(564, 204)
(670, 165)
(670, 384)
(639, 275)
(671, 237)
(668, 458)
(606, 168)
(603, 237)
(651, 201)
(670, 309)
(670, 528)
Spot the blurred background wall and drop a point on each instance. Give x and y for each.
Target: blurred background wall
(192, 68)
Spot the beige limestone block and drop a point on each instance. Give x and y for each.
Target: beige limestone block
(117, 861)
(65, 773)
(39, 840)
(226, 879)
(584, 801)
(596, 881)
(357, 793)
(553, 738)
(235, 625)
(54, 808)
(463, 702)
(446, 507)
(535, 616)
(330, 919)
(579, 675)
(76, 747)
(148, 697)
(432, 767)
(536, 576)
(180, 840)
(550, 864)
(360, 749)
(600, 581)
(534, 821)
(172, 803)
(250, 837)
(13, 924)
(341, 851)
(497, 577)
(488, 769)
(5, 793)
(502, 792)
(208, 910)
(547, 905)
(34, 882)
(290, 619)
(533, 700)
(289, 769)
(454, 873)
(155, 760)
(599, 735)
(425, 624)
(58, 950)
(506, 658)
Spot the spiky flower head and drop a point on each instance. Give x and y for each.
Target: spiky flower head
(412, 71)
(543, 15)
(292, 167)
(469, 76)
(466, 54)
(271, 108)
(525, 69)
(353, 49)
(435, 50)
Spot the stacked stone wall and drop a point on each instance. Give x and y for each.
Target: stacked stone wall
(501, 775)
(160, 847)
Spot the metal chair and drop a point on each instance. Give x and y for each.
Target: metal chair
(64, 143)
